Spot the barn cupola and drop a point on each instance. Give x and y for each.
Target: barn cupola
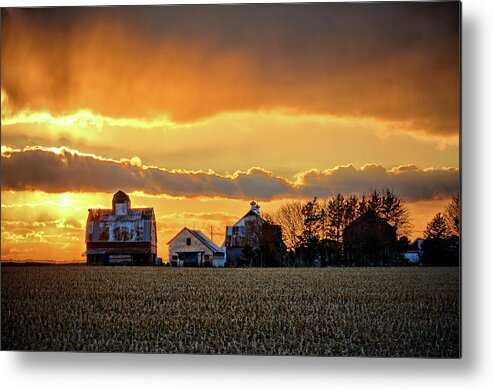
(121, 203)
(254, 207)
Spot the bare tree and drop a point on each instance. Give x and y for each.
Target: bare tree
(290, 217)
(452, 214)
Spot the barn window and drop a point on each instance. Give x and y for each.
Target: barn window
(189, 241)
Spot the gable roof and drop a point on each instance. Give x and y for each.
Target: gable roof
(250, 213)
(120, 197)
(368, 216)
(206, 241)
(201, 237)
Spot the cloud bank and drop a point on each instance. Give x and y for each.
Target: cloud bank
(56, 170)
(394, 62)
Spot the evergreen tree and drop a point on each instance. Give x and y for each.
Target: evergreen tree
(375, 202)
(362, 205)
(437, 228)
(394, 211)
(336, 211)
(350, 209)
(309, 236)
(440, 248)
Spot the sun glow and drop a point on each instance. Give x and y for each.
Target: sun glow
(41, 226)
(86, 118)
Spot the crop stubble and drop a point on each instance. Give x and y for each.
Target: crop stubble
(331, 312)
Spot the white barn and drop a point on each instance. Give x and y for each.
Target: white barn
(192, 248)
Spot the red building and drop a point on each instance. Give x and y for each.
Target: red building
(370, 241)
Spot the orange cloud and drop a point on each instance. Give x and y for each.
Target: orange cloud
(396, 63)
(232, 141)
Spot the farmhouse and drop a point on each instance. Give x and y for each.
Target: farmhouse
(369, 240)
(121, 235)
(192, 248)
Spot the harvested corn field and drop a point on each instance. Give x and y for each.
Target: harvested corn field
(330, 312)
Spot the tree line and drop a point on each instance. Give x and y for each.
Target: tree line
(312, 232)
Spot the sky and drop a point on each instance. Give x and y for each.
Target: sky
(197, 110)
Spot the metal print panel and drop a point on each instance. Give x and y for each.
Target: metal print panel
(265, 179)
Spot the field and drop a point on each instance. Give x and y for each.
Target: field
(333, 312)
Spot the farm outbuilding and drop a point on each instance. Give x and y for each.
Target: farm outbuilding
(121, 235)
(246, 231)
(370, 241)
(251, 232)
(414, 252)
(192, 248)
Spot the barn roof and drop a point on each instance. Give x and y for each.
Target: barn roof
(250, 213)
(206, 241)
(368, 217)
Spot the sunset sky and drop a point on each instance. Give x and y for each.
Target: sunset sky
(197, 110)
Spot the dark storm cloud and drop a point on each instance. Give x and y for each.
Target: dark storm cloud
(397, 62)
(62, 170)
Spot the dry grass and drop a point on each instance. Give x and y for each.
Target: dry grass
(335, 312)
